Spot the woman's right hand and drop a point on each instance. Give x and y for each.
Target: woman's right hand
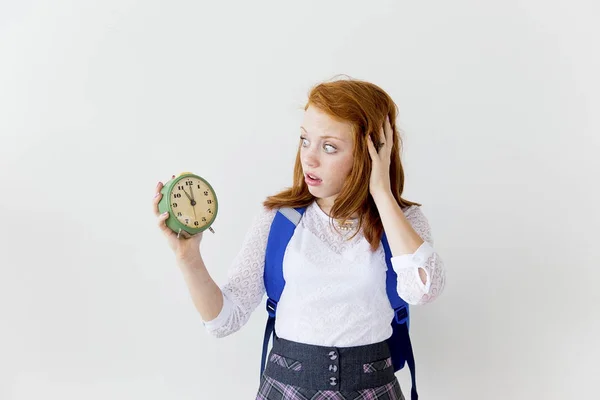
(186, 246)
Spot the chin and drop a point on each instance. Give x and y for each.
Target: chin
(315, 191)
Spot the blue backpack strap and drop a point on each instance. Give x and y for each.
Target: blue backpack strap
(281, 231)
(282, 228)
(399, 343)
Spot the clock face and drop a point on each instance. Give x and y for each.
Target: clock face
(193, 202)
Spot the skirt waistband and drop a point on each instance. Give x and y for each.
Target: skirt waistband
(330, 368)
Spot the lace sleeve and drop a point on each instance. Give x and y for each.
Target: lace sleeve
(245, 287)
(406, 266)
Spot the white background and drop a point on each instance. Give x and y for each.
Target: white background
(99, 100)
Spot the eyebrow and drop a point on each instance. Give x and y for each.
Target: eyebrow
(325, 136)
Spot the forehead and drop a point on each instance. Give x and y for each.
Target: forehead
(317, 123)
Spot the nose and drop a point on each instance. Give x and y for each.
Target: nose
(310, 157)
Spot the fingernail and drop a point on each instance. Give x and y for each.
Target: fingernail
(165, 213)
(157, 193)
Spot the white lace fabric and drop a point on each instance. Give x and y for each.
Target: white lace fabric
(335, 291)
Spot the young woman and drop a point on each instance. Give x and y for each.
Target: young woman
(333, 317)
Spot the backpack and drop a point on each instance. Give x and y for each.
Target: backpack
(282, 228)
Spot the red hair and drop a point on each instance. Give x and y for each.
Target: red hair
(365, 106)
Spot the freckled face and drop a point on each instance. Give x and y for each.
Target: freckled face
(326, 152)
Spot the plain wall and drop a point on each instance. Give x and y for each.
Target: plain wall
(499, 105)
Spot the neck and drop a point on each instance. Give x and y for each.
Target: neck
(327, 205)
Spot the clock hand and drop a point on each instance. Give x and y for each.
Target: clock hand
(191, 199)
(193, 203)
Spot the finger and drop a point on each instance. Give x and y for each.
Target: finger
(383, 135)
(161, 220)
(163, 225)
(157, 197)
(371, 147)
(389, 131)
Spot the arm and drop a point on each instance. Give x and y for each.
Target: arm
(245, 288)
(420, 270)
(206, 295)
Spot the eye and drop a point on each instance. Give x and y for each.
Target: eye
(331, 147)
(303, 139)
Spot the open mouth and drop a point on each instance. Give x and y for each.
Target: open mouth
(312, 179)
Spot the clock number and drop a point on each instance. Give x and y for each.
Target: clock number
(206, 192)
(209, 201)
(196, 223)
(180, 187)
(176, 195)
(187, 220)
(174, 205)
(198, 186)
(209, 211)
(203, 219)
(179, 214)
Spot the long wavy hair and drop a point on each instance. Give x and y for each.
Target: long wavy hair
(365, 106)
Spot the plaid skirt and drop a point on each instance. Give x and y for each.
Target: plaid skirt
(298, 371)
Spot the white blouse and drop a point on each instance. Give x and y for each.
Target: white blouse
(335, 290)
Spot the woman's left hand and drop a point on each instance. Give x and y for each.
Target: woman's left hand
(380, 167)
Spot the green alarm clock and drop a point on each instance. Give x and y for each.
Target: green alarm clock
(191, 202)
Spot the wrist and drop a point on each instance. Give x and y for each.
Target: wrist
(382, 195)
(189, 259)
